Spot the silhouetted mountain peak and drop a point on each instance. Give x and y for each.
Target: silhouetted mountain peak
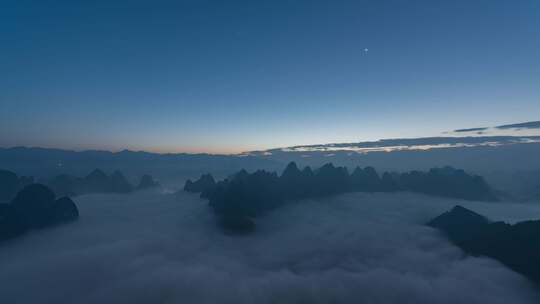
(291, 171)
(357, 171)
(118, 183)
(459, 215)
(147, 181)
(204, 185)
(249, 195)
(516, 245)
(34, 207)
(307, 171)
(33, 193)
(9, 182)
(5, 175)
(97, 174)
(371, 171)
(208, 178)
(459, 210)
(326, 167)
(64, 209)
(241, 174)
(118, 174)
(458, 223)
(292, 166)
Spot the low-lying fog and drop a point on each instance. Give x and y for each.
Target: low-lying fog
(149, 247)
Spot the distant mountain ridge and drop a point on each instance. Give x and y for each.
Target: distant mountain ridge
(243, 196)
(499, 159)
(45, 162)
(96, 181)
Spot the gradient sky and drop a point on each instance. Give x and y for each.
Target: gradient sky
(230, 76)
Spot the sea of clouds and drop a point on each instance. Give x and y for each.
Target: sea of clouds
(149, 247)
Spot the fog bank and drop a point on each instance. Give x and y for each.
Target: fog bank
(147, 247)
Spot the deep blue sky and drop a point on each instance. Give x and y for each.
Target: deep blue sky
(228, 76)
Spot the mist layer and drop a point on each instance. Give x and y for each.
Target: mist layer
(149, 247)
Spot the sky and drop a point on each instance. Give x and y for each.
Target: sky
(232, 76)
